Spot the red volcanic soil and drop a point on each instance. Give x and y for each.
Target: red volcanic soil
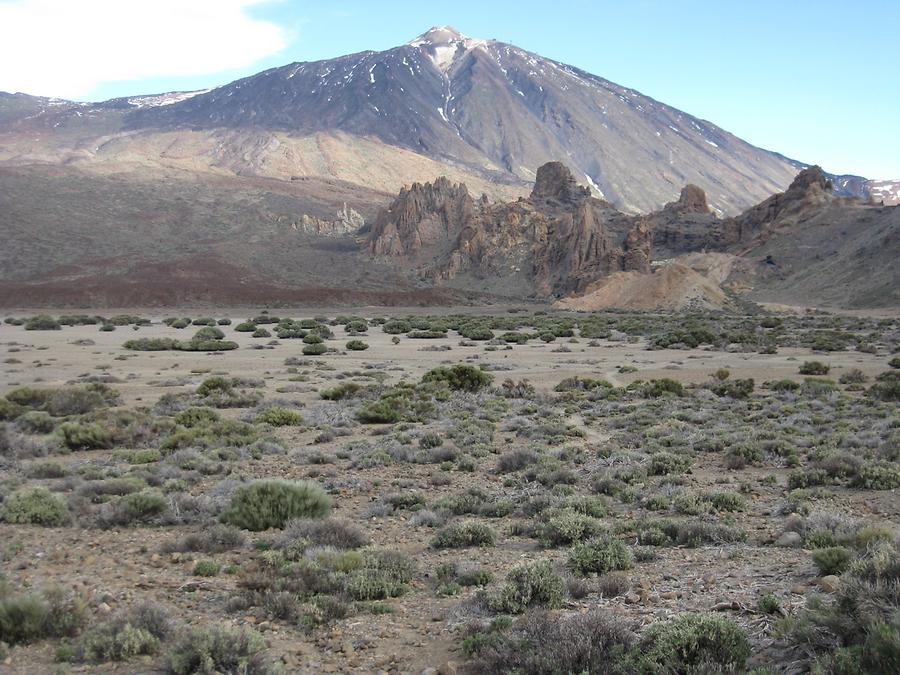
(203, 280)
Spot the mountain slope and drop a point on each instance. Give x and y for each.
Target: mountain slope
(498, 111)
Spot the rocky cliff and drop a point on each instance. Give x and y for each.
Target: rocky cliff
(557, 240)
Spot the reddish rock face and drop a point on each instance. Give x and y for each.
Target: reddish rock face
(561, 238)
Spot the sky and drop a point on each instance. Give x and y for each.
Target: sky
(816, 80)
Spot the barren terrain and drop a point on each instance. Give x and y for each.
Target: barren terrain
(699, 482)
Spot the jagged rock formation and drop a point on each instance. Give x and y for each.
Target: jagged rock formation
(421, 217)
(348, 221)
(557, 240)
(810, 190)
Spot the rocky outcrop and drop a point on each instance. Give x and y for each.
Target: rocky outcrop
(420, 218)
(348, 221)
(555, 184)
(557, 241)
(809, 191)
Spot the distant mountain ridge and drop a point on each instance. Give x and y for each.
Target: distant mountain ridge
(485, 112)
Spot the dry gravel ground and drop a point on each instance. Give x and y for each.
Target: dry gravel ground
(115, 568)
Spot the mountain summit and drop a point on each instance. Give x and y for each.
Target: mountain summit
(481, 112)
(494, 111)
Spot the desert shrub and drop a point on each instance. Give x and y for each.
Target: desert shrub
(530, 585)
(137, 631)
(35, 506)
(36, 422)
(215, 539)
(886, 387)
(664, 463)
(42, 322)
(142, 507)
(727, 501)
(357, 345)
(50, 614)
(384, 411)
(245, 327)
(80, 400)
(340, 392)
(197, 417)
(384, 574)
(265, 504)
(877, 475)
(180, 323)
(733, 388)
(476, 333)
(316, 349)
(853, 376)
(599, 556)
(334, 533)
(85, 436)
(218, 650)
(426, 334)
(661, 387)
(199, 345)
(204, 321)
(10, 410)
(567, 526)
(459, 377)
(47, 470)
(578, 383)
(279, 417)
(312, 339)
(832, 560)
(146, 344)
(693, 641)
(784, 385)
(206, 568)
(894, 362)
(814, 368)
(396, 327)
(516, 460)
(542, 643)
(461, 535)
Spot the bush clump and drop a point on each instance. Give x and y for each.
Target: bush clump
(35, 506)
(50, 614)
(279, 417)
(693, 641)
(137, 631)
(530, 585)
(460, 535)
(459, 377)
(219, 650)
(265, 504)
(357, 346)
(814, 368)
(599, 556)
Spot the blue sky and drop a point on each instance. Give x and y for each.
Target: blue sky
(817, 80)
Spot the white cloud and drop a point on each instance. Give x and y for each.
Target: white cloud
(66, 48)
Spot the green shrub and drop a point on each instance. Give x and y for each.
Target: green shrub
(279, 417)
(146, 344)
(197, 417)
(396, 327)
(384, 411)
(357, 345)
(384, 574)
(265, 504)
(877, 475)
(261, 333)
(35, 506)
(567, 526)
(42, 322)
(140, 507)
(664, 463)
(52, 614)
(886, 387)
(599, 556)
(85, 436)
(460, 377)
(135, 632)
(832, 560)
(314, 349)
(206, 568)
(36, 422)
(662, 387)
(218, 650)
(461, 535)
(530, 585)
(733, 388)
(340, 392)
(693, 641)
(814, 368)
(245, 327)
